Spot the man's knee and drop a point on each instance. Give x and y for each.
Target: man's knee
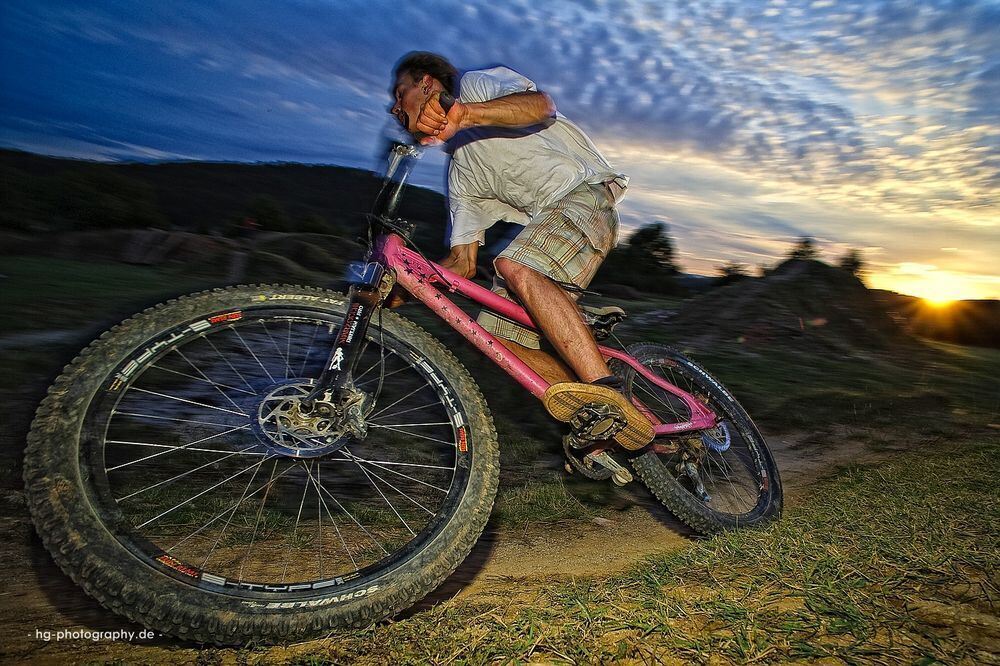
(511, 271)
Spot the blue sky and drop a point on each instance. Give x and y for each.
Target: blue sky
(743, 125)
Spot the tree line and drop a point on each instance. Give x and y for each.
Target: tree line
(50, 194)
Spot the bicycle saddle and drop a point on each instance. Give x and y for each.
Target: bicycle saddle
(602, 320)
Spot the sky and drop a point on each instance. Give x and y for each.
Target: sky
(742, 125)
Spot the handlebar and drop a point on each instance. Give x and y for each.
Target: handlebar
(447, 100)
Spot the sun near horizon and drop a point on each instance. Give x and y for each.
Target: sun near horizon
(937, 288)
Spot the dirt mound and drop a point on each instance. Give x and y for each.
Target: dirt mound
(313, 252)
(282, 257)
(806, 304)
(150, 247)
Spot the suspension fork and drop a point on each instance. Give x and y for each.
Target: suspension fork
(369, 286)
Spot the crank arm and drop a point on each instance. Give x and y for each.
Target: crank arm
(619, 474)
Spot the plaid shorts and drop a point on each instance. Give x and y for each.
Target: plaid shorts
(566, 242)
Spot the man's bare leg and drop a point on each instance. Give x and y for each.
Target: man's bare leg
(558, 317)
(550, 367)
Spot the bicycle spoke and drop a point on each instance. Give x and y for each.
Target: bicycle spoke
(200, 379)
(411, 409)
(367, 370)
(416, 390)
(210, 381)
(409, 425)
(182, 475)
(229, 520)
(738, 488)
(295, 530)
(405, 476)
(256, 525)
(288, 368)
(379, 490)
(657, 398)
(305, 359)
(319, 495)
(320, 505)
(247, 347)
(207, 490)
(288, 344)
(171, 418)
(387, 462)
(190, 402)
(173, 448)
(350, 515)
(414, 434)
(388, 374)
(191, 448)
(227, 362)
(404, 495)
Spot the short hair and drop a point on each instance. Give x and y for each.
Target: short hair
(418, 63)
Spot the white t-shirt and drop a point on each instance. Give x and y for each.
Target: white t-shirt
(512, 174)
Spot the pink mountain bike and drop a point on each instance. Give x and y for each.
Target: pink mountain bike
(269, 462)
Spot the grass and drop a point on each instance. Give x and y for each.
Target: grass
(786, 390)
(889, 564)
(66, 294)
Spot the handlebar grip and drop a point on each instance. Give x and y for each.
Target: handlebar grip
(447, 101)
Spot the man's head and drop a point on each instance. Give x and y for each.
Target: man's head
(416, 77)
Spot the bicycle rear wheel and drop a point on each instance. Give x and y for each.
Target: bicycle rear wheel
(713, 480)
(171, 473)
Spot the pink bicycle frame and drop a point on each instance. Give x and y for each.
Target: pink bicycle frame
(425, 280)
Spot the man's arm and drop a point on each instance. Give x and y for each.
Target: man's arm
(462, 259)
(516, 110)
(521, 109)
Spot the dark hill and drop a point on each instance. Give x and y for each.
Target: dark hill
(51, 194)
(803, 304)
(188, 212)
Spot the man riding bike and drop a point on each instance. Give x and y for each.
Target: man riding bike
(514, 158)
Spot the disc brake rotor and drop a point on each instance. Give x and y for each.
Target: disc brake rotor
(717, 439)
(289, 429)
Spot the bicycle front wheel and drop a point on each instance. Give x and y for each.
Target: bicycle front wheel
(172, 474)
(713, 480)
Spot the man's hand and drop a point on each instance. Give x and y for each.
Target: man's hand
(436, 125)
(462, 259)
(396, 297)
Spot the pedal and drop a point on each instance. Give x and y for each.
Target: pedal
(595, 421)
(619, 474)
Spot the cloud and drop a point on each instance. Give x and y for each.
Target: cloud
(856, 120)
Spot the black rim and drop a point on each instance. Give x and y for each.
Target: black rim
(727, 460)
(181, 472)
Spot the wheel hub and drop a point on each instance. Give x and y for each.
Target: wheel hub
(292, 429)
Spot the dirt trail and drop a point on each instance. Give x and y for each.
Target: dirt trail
(38, 598)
